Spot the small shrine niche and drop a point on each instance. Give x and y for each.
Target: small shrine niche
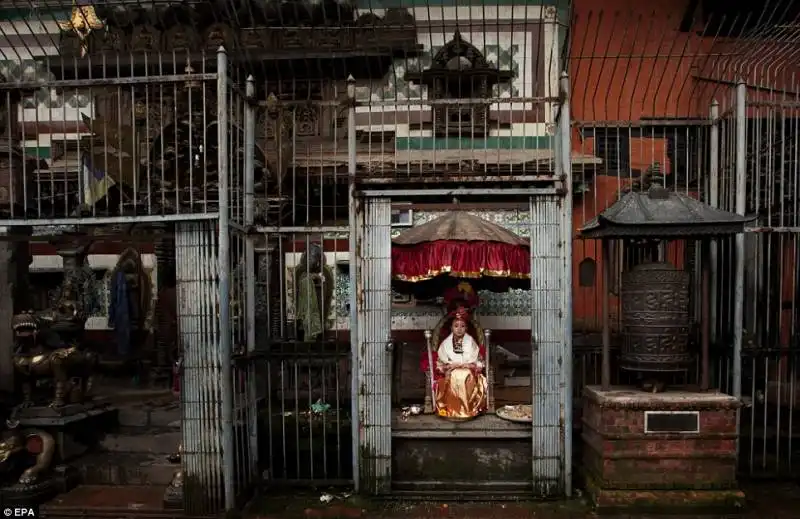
(460, 71)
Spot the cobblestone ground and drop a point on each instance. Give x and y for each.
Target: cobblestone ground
(765, 501)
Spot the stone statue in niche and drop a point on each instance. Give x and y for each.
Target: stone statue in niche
(313, 292)
(130, 302)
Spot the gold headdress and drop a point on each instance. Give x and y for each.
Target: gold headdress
(82, 22)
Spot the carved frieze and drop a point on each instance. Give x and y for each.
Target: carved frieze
(112, 39)
(145, 38)
(216, 36)
(158, 32)
(275, 125)
(180, 38)
(257, 39)
(306, 120)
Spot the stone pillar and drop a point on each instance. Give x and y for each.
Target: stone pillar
(76, 270)
(14, 298)
(14, 254)
(165, 311)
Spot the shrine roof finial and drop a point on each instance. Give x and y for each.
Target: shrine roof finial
(661, 213)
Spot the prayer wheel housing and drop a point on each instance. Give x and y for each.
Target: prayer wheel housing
(655, 319)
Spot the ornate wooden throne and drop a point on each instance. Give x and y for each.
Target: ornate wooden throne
(429, 358)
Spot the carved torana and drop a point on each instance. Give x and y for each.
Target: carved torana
(460, 71)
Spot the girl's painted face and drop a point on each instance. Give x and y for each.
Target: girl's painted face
(459, 328)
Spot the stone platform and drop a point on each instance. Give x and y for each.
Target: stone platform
(76, 428)
(488, 457)
(670, 451)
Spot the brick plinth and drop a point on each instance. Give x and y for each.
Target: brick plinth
(627, 467)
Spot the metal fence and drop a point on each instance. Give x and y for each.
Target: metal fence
(121, 148)
(706, 105)
(260, 176)
(119, 144)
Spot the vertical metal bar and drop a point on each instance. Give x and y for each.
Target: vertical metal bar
(741, 200)
(355, 422)
(547, 339)
(605, 373)
(223, 259)
(374, 320)
(565, 129)
(190, 413)
(250, 266)
(713, 200)
(705, 320)
(200, 399)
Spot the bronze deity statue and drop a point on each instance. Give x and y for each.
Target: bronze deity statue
(28, 470)
(26, 456)
(66, 317)
(40, 353)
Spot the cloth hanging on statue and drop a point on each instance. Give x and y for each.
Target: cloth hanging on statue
(119, 313)
(308, 311)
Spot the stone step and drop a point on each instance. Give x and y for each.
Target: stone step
(146, 416)
(110, 502)
(145, 442)
(112, 468)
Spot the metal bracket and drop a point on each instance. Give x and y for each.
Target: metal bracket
(382, 193)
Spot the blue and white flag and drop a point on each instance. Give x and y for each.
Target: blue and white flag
(96, 182)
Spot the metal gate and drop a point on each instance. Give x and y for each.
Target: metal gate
(762, 142)
(143, 152)
(551, 343)
(201, 403)
(372, 292)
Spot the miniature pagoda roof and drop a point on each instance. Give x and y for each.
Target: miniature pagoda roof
(459, 59)
(660, 213)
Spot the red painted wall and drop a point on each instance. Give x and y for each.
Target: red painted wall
(628, 61)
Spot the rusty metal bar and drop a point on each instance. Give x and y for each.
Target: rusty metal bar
(355, 214)
(111, 220)
(605, 378)
(224, 262)
(459, 101)
(644, 123)
(713, 201)
(565, 153)
(313, 229)
(741, 207)
(770, 230)
(250, 276)
(705, 315)
(14, 85)
(461, 191)
(749, 86)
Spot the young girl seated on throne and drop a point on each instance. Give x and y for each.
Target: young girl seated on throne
(460, 391)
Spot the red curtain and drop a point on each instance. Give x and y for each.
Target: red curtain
(463, 259)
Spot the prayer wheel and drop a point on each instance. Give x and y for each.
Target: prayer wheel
(655, 319)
